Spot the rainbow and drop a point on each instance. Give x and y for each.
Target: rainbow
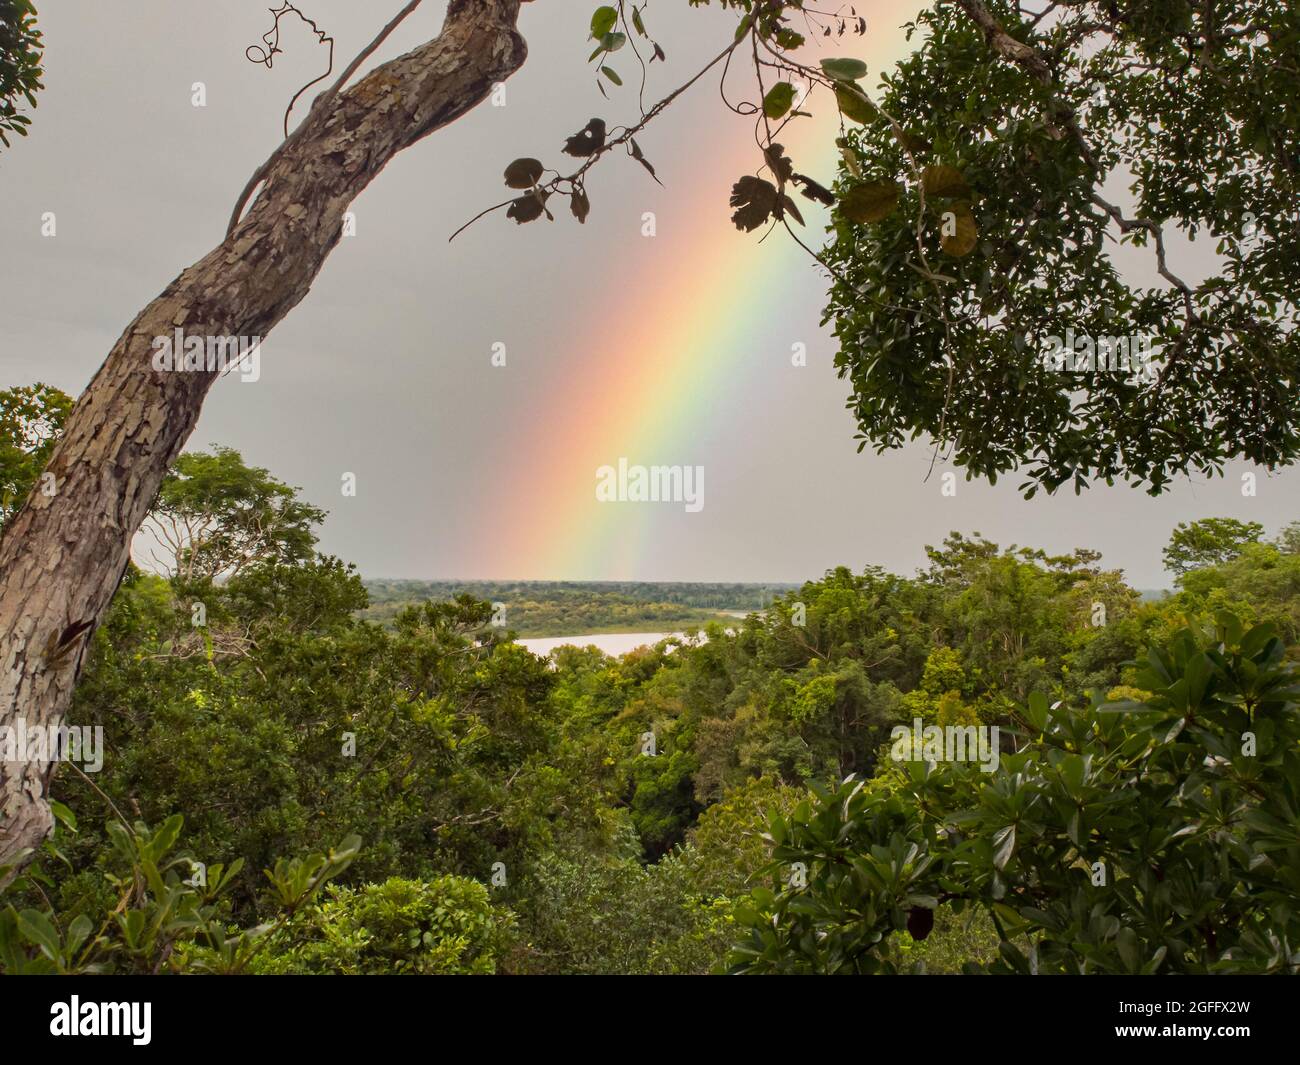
(650, 397)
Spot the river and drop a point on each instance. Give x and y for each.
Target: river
(612, 643)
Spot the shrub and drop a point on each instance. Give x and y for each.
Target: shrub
(444, 926)
(1158, 836)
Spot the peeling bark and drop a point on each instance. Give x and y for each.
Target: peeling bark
(1004, 44)
(63, 555)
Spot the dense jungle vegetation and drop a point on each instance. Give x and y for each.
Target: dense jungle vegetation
(564, 608)
(288, 787)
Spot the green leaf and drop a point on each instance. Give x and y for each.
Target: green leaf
(944, 181)
(165, 838)
(63, 815)
(844, 69)
(1036, 710)
(1012, 955)
(78, 931)
(1004, 843)
(779, 100)
(1074, 770)
(39, 930)
(912, 142)
(853, 103)
(1127, 945)
(132, 925)
(611, 75)
(604, 19)
(958, 233)
(871, 202)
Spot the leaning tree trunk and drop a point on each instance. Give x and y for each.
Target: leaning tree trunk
(63, 554)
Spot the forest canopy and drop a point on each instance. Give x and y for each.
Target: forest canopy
(980, 294)
(286, 787)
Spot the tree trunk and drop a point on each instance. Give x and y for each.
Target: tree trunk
(63, 555)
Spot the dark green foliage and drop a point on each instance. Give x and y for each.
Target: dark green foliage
(949, 341)
(150, 907)
(599, 815)
(285, 723)
(612, 914)
(20, 65)
(1132, 837)
(30, 420)
(1210, 542)
(568, 608)
(442, 927)
(216, 516)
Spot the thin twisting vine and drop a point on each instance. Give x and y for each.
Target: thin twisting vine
(321, 101)
(265, 53)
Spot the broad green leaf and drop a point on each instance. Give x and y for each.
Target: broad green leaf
(945, 181)
(78, 931)
(958, 233)
(779, 100)
(854, 104)
(871, 202)
(604, 19)
(844, 69)
(63, 815)
(40, 930)
(1036, 710)
(1004, 843)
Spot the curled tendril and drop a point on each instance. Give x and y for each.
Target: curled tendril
(265, 53)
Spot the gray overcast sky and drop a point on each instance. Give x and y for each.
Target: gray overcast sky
(463, 469)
